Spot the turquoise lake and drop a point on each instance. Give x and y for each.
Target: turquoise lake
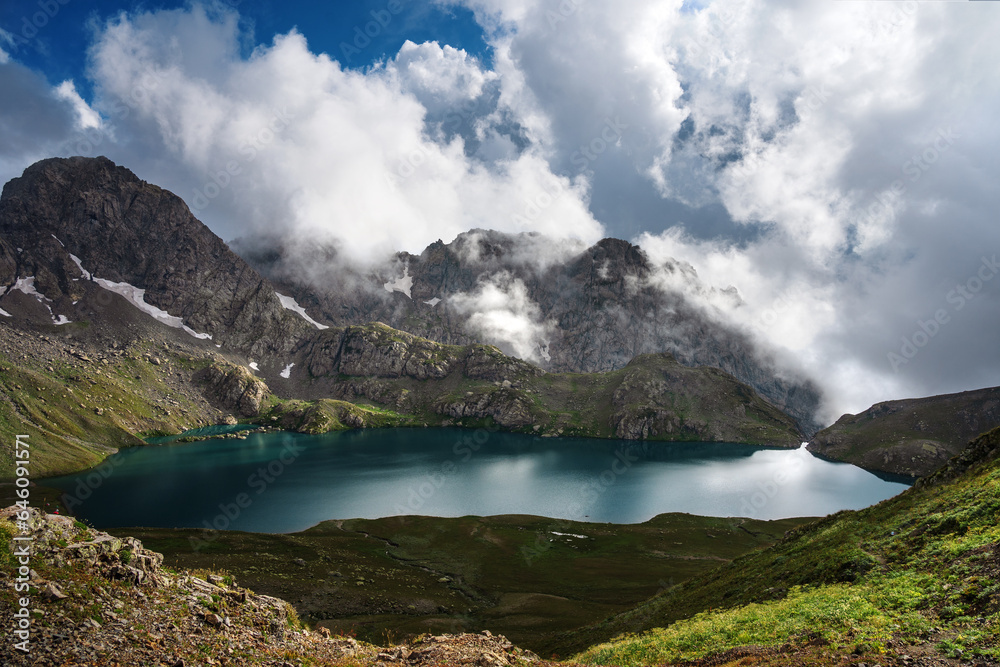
(284, 482)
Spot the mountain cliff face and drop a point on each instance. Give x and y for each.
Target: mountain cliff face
(148, 309)
(575, 309)
(652, 398)
(67, 221)
(912, 437)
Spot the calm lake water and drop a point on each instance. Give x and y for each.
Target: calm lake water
(283, 482)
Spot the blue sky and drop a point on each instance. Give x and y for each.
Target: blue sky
(53, 36)
(835, 162)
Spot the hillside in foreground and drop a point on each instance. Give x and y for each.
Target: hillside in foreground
(916, 576)
(914, 580)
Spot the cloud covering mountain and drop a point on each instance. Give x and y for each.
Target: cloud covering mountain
(834, 162)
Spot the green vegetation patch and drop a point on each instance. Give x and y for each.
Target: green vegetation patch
(923, 567)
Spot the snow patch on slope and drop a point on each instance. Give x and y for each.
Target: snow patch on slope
(404, 284)
(79, 264)
(137, 297)
(289, 303)
(27, 286)
(287, 373)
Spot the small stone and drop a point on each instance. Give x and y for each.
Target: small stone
(214, 620)
(300, 562)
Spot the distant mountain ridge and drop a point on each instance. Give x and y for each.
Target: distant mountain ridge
(133, 317)
(583, 309)
(911, 437)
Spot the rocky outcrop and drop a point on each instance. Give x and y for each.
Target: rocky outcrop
(912, 437)
(62, 542)
(124, 230)
(376, 350)
(595, 308)
(485, 362)
(658, 398)
(235, 388)
(507, 407)
(654, 397)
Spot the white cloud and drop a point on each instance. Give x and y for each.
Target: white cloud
(803, 121)
(501, 311)
(288, 140)
(442, 78)
(792, 150)
(87, 118)
(35, 123)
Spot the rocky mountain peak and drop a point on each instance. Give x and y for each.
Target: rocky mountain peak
(583, 309)
(72, 221)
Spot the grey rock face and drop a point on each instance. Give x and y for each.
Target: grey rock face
(600, 307)
(123, 229)
(235, 388)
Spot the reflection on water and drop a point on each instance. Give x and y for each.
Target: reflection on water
(282, 482)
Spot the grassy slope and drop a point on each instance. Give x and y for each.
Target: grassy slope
(399, 576)
(77, 412)
(699, 397)
(921, 567)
